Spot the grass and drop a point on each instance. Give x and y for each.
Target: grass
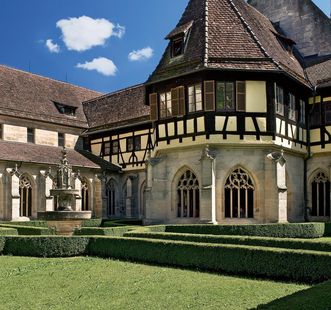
(92, 283)
(315, 298)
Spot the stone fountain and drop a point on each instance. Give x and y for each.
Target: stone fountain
(64, 219)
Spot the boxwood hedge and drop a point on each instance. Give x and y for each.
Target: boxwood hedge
(2, 243)
(295, 265)
(4, 231)
(293, 230)
(29, 230)
(286, 243)
(103, 231)
(51, 246)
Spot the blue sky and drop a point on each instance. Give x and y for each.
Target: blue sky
(27, 26)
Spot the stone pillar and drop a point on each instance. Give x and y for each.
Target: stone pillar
(49, 179)
(208, 186)
(14, 180)
(280, 165)
(78, 198)
(99, 197)
(129, 198)
(153, 186)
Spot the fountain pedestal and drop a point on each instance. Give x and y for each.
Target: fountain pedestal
(64, 220)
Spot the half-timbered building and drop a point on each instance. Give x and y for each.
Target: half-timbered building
(233, 126)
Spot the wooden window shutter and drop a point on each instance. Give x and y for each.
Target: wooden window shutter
(209, 88)
(181, 101)
(175, 101)
(241, 96)
(153, 106)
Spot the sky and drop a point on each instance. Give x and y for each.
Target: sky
(104, 45)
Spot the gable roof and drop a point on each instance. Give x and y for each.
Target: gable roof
(42, 154)
(120, 108)
(320, 74)
(228, 35)
(31, 96)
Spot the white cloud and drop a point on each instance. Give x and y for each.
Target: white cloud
(52, 47)
(119, 31)
(142, 54)
(82, 33)
(102, 65)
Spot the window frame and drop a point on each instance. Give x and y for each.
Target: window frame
(226, 107)
(194, 96)
(31, 135)
(180, 40)
(279, 104)
(292, 110)
(302, 117)
(165, 110)
(133, 142)
(61, 137)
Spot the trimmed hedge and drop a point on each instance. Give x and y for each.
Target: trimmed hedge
(92, 223)
(122, 222)
(2, 243)
(327, 232)
(103, 231)
(52, 246)
(4, 231)
(240, 240)
(27, 223)
(295, 265)
(30, 230)
(293, 230)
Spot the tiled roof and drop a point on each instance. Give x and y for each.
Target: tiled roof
(117, 109)
(41, 154)
(320, 73)
(180, 30)
(228, 34)
(31, 96)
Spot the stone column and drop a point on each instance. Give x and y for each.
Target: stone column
(49, 179)
(208, 186)
(14, 180)
(280, 165)
(78, 198)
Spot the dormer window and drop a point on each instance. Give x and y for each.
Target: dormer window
(65, 109)
(178, 38)
(177, 47)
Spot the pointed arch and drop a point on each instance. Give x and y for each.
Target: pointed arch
(85, 194)
(142, 210)
(239, 190)
(26, 185)
(111, 193)
(187, 188)
(320, 193)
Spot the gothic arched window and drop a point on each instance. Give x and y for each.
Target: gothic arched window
(111, 198)
(188, 196)
(25, 196)
(85, 196)
(239, 195)
(320, 195)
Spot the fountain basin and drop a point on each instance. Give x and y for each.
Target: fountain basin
(65, 222)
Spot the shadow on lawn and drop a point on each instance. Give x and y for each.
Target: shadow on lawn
(317, 297)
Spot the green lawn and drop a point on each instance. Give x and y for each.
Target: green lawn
(92, 283)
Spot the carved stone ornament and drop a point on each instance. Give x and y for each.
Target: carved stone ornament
(277, 157)
(14, 171)
(208, 153)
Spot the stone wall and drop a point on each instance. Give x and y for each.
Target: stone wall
(302, 21)
(165, 170)
(41, 183)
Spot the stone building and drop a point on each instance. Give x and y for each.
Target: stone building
(233, 126)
